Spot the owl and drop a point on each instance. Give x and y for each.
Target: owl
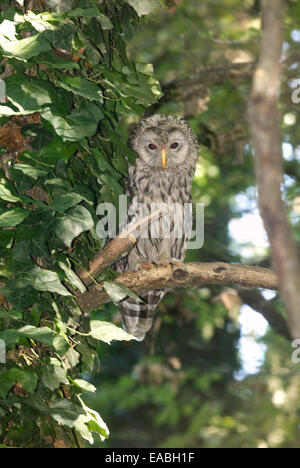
(167, 152)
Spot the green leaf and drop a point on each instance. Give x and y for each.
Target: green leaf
(8, 194)
(76, 221)
(60, 64)
(103, 164)
(73, 358)
(65, 412)
(32, 171)
(64, 202)
(53, 375)
(20, 434)
(42, 334)
(45, 280)
(29, 95)
(85, 12)
(107, 332)
(143, 7)
(111, 182)
(72, 277)
(6, 238)
(81, 86)
(94, 421)
(84, 385)
(10, 336)
(24, 49)
(27, 378)
(56, 150)
(11, 313)
(13, 217)
(104, 21)
(118, 291)
(79, 124)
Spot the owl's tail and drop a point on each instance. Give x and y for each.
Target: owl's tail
(137, 317)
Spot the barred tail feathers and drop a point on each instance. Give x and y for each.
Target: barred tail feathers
(137, 317)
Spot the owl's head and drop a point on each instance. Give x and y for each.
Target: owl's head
(165, 143)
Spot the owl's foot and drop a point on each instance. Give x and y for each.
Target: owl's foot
(143, 264)
(175, 262)
(165, 260)
(147, 265)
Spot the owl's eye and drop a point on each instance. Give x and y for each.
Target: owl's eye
(174, 145)
(152, 146)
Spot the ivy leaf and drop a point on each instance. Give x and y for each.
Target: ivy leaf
(8, 194)
(66, 201)
(73, 358)
(24, 49)
(11, 313)
(76, 221)
(42, 334)
(27, 378)
(118, 291)
(84, 385)
(64, 411)
(85, 12)
(81, 86)
(45, 280)
(79, 124)
(72, 277)
(32, 171)
(53, 375)
(28, 95)
(57, 149)
(6, 238)
(143, 7)
(104, 21)
(13, 217)
(94, 421)
(107, 332)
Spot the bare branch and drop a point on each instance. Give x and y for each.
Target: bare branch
(267, 309)
(117, 247)
(198, 83)
(265, 127)
(193, 274)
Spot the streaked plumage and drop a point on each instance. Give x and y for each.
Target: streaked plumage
(160, 140)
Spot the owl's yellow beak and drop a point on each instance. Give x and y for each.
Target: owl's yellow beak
(163, 157)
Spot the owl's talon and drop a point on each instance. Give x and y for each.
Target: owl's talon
(147, 265)
(177, 263)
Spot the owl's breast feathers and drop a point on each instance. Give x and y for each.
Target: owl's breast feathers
(159, 186)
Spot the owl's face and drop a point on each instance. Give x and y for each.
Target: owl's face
(163, 143)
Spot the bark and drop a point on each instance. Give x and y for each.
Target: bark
(265, 127)
(188, 275)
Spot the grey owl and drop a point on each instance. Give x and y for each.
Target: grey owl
(167, 152)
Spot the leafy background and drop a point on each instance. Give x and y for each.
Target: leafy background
(77, 76)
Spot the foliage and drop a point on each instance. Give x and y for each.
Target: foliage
(187, 386)
(69, 83)
(77, 75)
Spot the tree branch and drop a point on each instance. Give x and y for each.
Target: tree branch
(191, 275)
(254, 299)
(198, 82)
(117, 247)
(265, 127)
